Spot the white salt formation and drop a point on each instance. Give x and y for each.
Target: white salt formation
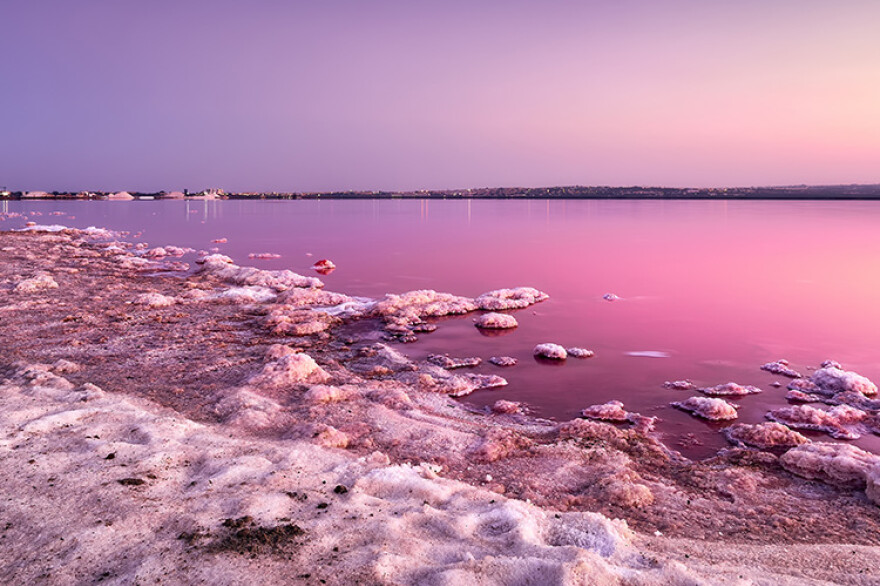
(222, 268)
(551, 351)
(37, 283)
(153, 300)
(781, 367)
(708, 408)
(448, 363)
(764, 435)
(610, 411)
(290, 370)
(610, 297)
(496, 321)
(680, 385)
(832, 379)
(517, 298)
(730, 389)
(838, 422)
(576, 352)
(503, 360)
(838, 464)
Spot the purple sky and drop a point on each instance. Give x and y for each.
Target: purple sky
(326, 94)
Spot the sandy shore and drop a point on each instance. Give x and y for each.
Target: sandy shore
(244, 426)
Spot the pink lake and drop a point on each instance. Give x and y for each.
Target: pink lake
(718, 287)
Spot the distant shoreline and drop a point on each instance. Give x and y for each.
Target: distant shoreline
(866, 192)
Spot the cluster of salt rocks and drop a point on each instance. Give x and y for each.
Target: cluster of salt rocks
(552, 351)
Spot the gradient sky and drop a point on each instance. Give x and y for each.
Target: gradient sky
(334, 94)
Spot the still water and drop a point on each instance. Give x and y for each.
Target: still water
(717, 287)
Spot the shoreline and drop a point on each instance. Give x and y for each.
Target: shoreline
(207, 355)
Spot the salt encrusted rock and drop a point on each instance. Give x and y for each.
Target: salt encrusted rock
(380, 359)
(730, 390)
(325, 394)
(459, 385)
(277, 351)
(503, 360)
(804, 385)
(834, 421)
(834, 380)
(552, 351)
(708, 408)
(614, 412)
(215, 259)
(837, 464)
(802, 397)
(781, 367)
(244, 295)
(444, 361)
(496, 321)
(263, 255)
(153, 300)
(680, 385)
(764, 435)
(610, 411)
(62, 366)
(290, 370)
(516, 298)
(576, 352)
(610, 297)
(832, 364)
(506, 407)
(298, 322)
(414, 305)
(40, 282)
(281, 280)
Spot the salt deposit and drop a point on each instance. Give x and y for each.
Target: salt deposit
(223, 269)
(517, 298)
(325, 264)
(610, 297)
(708, 408)
(37, 283)
(834, 380)
(250, 491)
(781, 367)
(263, 255)
(551, 351)
(838, 464)
(503, 360)
(680, 385)
(576, 352)
(610, 411)
(730, 389)
(451, 363)
(648, 354)
(764, 435)
(153, 300)
(496, 321)
(838, 422)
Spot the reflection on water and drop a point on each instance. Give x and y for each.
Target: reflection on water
(712, 289)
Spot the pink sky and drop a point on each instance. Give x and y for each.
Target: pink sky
(307, 96)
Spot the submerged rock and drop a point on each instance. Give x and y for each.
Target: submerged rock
(764, 435)
(551, 351)
(496, 321)
(708, 408)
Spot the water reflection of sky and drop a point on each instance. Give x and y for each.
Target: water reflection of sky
(722, 287)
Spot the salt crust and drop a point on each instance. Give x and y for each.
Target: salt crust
(131, 479)
(730, 390)
(708, 408)
(289, 370)
(839, 464)
(222, 268)
(551, 351)
(496, 321)
(503, 360)
(764, 435)
(834, 380)
(837, 421)
(153, 300)
(576, 352)
(39, 282)
(781, 367)
(614, 412)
